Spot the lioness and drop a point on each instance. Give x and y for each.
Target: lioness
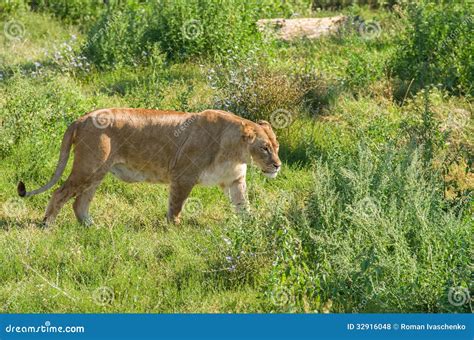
(183, 149)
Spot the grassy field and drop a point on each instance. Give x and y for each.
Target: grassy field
(372, 211)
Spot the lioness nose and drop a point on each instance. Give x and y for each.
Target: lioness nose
(277, 165)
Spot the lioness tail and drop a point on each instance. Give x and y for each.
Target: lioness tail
(63, 158)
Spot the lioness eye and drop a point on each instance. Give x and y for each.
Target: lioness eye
(265, 148)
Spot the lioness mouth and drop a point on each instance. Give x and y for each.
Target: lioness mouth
(270, 174)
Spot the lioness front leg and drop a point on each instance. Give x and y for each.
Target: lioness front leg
(237, 193)
(179, 191)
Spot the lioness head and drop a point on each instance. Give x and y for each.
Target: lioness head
(263, 147)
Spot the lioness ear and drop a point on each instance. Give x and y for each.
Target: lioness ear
(248, 133)
(264, 122)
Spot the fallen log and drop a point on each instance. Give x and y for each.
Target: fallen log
(311, 28)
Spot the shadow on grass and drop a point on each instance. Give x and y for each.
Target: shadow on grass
(7, 223)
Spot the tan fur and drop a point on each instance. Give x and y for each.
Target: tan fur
(180, 149)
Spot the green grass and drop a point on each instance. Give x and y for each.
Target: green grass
(364, 216)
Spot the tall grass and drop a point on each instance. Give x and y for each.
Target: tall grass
(361, 218)
(375, 235)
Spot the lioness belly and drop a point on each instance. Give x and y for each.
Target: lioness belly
(223, 174)
(130, 174)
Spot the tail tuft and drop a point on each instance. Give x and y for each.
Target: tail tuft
(21, 189)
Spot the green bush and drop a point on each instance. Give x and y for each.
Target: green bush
(33, 111)
(186, 28)
(375, 235)
(181, 29)
(363, 70)
(118, 38)
(437, 48)
(338, 4)
(251, 89)
(11, 6)
(74, 11)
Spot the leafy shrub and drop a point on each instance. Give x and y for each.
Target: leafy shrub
(182, 29)
(186, 28)
(249, 88)
(39, 110)
(11, 6)
(118, 38)
(363, 69)
(374, 227)
(437, 47)
(74, 11)
(338, 4)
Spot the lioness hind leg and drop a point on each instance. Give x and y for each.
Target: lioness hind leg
(178, 194)
(59, 198)
(82, 202)
(89, 168)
